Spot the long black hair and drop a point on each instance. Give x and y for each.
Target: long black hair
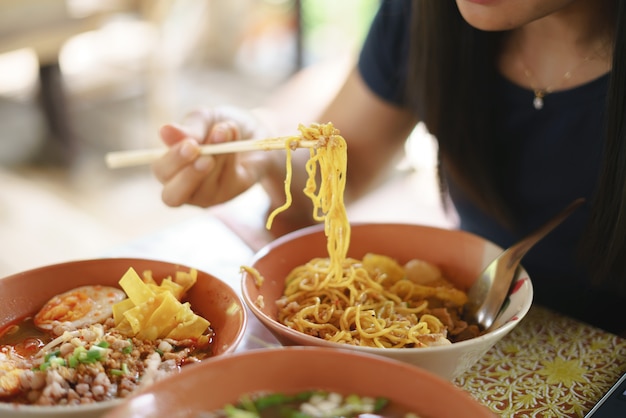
(446, 52)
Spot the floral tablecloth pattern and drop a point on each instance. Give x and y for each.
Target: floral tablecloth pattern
(548, 366)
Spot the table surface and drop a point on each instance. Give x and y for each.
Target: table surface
(550, 365)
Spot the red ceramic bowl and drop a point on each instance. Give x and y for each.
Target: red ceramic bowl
(461, 257)
(216, 382)
(25, 293)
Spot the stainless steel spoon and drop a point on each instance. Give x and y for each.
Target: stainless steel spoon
(491, 288)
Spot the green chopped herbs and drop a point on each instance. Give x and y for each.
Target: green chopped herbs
(51, 360)
(234, 412)
(94, 354)
(380, 403)
(53, 354)
(129, 348)
(271, 400)
(304, 405)
(124, 371)
(81, 355)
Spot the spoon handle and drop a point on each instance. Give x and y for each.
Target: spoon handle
(517, 251)
(488, 293)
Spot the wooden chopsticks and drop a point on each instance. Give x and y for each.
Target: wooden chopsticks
(119, 159)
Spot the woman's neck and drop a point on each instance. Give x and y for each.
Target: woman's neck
(560, 51)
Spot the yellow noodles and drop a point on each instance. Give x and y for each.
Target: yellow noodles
(364, 307)
(328, 205)
(368, 302)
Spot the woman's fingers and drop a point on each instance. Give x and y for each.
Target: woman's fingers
(183, 185)
(215, 182)
(223, 132)
(190, 178)
(172, 134)
(222, 184)
(180, 155)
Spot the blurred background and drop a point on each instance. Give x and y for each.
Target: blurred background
(80, 78)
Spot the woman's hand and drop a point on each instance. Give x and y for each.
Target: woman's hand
(188, 177)
(374, 129)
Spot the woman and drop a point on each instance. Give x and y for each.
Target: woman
(528, 103)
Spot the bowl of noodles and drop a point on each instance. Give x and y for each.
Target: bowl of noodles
(302, 382)
(399, 292)
(396, 290)
(78, 337)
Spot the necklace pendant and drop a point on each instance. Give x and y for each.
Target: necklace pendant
(538, 100)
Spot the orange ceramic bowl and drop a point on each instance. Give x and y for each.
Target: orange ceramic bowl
(25, 293)
(216, 382)
(460, 255)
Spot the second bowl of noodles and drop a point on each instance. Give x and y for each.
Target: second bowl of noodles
(399, 293)
(78, 337)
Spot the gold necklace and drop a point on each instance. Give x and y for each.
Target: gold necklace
(541, 92)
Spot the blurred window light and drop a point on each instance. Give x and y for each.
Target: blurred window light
(84, 8)
(120, 43)
(283, 35)
(19, 71)
(332, 28)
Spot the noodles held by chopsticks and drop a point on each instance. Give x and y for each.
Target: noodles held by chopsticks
(328, 205)
(367, 302)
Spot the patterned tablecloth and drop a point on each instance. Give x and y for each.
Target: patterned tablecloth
(548, 366)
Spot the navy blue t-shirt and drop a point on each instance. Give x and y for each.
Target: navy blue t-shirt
(549, 157)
